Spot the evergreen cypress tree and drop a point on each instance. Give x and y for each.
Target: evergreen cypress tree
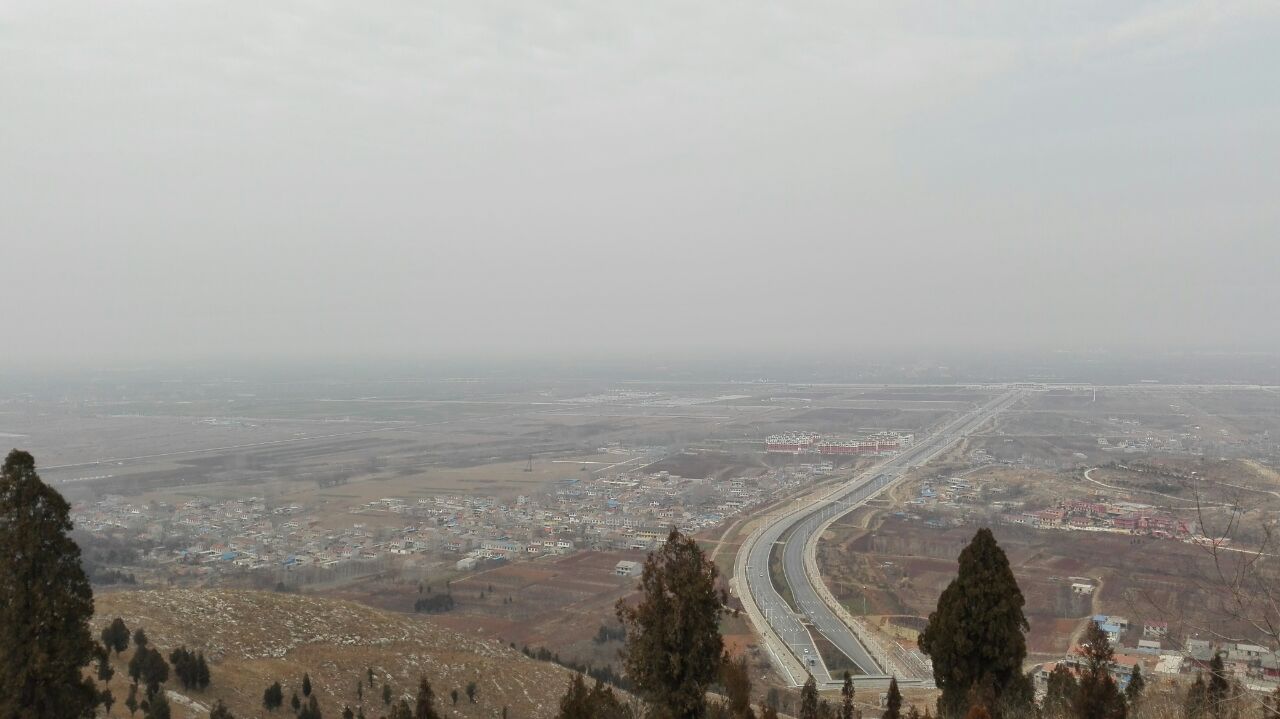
(1133, 692)
(1218, 692)
(604, 704)
(105, 671)
(401, 711)
(202, 672)
(846, 697)
(975, 636)
(273, 697)
(140, 638)
(131, 701)
(1060, 692)
(893, 701)
(295, 703)
(184, 666)
(45, 602)
(1195, 703)
(575, 703)
(426, 704)
(115, 636)
(154, 670)
(471, 692)
(346, 713)
(1097, 696)
(306, 684)
(673, 644)
(809, 699)
(453, 696)
(220, 711)
(311, 710)
(598, 702)
(135, 663)
(158, 707)
(386, 694)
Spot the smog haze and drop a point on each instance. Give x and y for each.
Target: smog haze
(262, 180)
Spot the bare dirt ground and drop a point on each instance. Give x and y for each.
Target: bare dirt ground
(552, 602)
(900, 568)
(255, 638)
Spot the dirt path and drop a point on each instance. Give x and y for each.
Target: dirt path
(1088, 476)
(1095, 608)
(721, 541)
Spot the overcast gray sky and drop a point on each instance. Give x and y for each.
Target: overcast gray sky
(187, 179)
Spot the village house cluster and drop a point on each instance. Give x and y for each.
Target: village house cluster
(1121, 517)
(1149, 646)
(625, 511)
(204, 538)
(1091, 515)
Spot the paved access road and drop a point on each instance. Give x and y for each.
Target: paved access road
(792, 625)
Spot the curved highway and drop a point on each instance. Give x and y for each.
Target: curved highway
(792, 623)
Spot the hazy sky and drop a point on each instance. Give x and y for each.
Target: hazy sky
(188, 179)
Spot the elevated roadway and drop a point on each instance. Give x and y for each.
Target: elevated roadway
(786, 626)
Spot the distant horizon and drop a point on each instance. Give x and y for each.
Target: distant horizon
(904, 366)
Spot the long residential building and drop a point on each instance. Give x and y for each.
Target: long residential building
(812, 443)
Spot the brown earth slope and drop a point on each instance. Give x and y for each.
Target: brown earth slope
(254, 638)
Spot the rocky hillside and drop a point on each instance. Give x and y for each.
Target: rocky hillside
(254, 638)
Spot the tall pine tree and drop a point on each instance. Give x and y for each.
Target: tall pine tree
(893, 701)
(975, 636)
(1195, 702)
(673, 635)
(1133, 690)
(45, 602)
(809, 699)
(273, 697)
(575, 704)
(115, 636)
(1218, 695)
(846, 697)
(158, 707)
(1097, 696)
(426, 704)
(1060, 692)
